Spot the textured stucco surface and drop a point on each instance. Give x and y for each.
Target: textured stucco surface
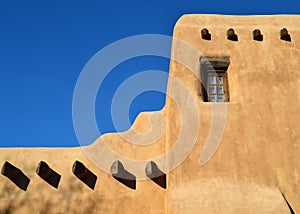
(261, 138)
(258, 158)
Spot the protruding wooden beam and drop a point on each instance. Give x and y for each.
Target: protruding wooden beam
(84, 174)
(120, 174)
(15, 175)
(48, 174)
(215, 62)
(156, 175)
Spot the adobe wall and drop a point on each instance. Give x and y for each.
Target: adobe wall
(259, 152)
(256, 162)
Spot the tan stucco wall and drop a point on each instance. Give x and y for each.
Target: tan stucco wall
(260, 145)
(258, 158)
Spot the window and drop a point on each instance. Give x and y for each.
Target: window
(214, 79)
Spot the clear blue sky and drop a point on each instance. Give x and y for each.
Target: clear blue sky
(45, 44)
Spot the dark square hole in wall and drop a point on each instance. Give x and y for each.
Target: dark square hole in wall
(15, 175)
(84, 174)
(213, 72)
(231, 35)
(257, 35)
(48, 174)
(284, 35)
(205, 34)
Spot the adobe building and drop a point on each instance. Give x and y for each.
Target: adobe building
(250, 67)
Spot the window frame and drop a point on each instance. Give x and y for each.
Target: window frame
(214, 67)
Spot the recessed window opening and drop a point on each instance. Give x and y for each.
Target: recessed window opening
(214, 79)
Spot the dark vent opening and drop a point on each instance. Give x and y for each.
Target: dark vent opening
(205, 34)
(231, 35)
(156, 175)
(15, 175)
(84, 174)
(48, 174)
(284, 35)
(120, 174)
(257, 35)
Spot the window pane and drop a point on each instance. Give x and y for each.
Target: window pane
(212, 89)
(219, 80)
(220, 98)
(212, 98)
(220, 90)
(211, 80)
